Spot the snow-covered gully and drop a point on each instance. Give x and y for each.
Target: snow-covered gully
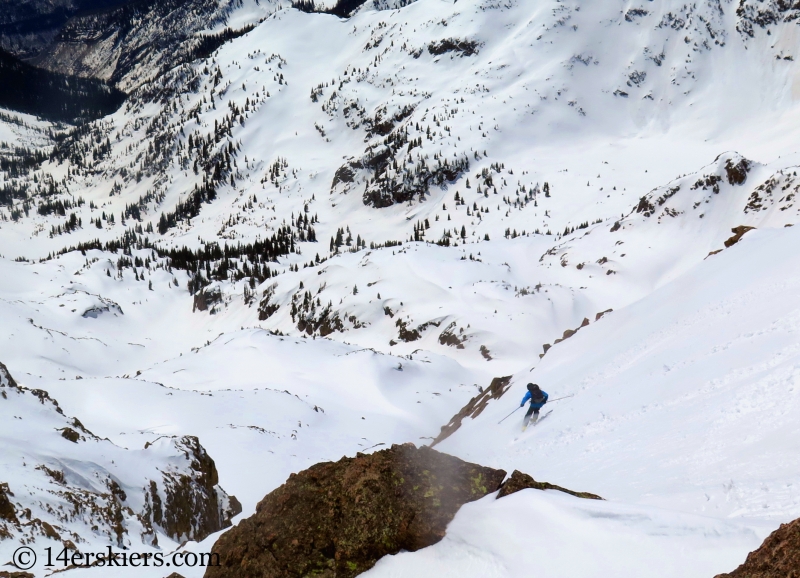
(327, 229)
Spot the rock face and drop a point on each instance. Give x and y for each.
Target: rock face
(6, 507)
(82, 495)
(194, 506)
(131, 42)
(476, 405)
(124, 42)
(27, 26)
(778, 556)
(738, 233)
(338, 519)
(206, 299)
(519, 481)
(6, 574)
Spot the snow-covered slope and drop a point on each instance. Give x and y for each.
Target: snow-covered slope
(65, 484)
(685, 399)
(372, 108)
(331, 234)
(130, 43)
(552, 536)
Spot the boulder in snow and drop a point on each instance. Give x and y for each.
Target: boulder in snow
(340, 518)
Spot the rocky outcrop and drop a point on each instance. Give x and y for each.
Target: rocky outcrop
(6, 574)
(5, 377)
(339, 518)
(519, 481)
(569, 333)
(738, 233)
(737, 171)
(753, 14)
(193, 505)
(390, 179)
(474, 408)
(81, 493)
(28, 26)
(207, 299)
(450, 338)
(456, 45)
(130, 42)
(7, 512)
(778, 556)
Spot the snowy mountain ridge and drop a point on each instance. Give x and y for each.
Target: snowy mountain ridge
(82, 496)
(390, 126)
(328, 235)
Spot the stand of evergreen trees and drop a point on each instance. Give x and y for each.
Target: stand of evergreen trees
(342, 8)
(208, 43)
(212, 262)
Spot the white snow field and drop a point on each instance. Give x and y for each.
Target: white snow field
(638, 157)
(550, 535)
(685, 399)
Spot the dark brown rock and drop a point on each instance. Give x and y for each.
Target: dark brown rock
(344, 174)
(185, 501)
(738, 233)
(570, 332)
(6, 574)
(265, 308)
(475, 406)
(519, 481)
(449, 337)
(600, 315)
(70, 434)
(737, 173)
(193, 506)
(778, 556)
(7, 512)
(50, 532)
(338, 519)
(206, 299)
(5, 377)
(406, 334)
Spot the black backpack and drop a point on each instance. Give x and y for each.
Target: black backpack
(536, 394)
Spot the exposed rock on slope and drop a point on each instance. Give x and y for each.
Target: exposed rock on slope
(27, 26)
(475, 406)
(195, 506)
(778, 556)
(519, 481)
(339, 519)
(131, 43)
(89, 490)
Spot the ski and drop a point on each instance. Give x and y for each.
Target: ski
(524, 427)
(541, 418)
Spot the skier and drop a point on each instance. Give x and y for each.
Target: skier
(538, 399)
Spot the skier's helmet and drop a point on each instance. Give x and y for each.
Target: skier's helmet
(533, 388)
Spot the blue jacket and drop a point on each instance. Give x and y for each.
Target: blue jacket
(535, 405)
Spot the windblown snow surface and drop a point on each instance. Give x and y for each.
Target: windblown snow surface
(501, 172)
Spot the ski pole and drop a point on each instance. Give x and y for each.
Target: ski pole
(560, 398)
(509, 415)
